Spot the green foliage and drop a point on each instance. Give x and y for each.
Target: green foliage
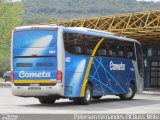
(43, 20)
(4, 65)
(10, 16)
(73, 9)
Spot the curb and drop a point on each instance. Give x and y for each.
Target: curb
(151, 92)
(4, 84)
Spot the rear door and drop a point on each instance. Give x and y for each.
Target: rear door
(35, 57)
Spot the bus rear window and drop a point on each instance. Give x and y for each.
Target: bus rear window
(34, 38)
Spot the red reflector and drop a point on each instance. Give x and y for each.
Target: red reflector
(11, 79)
(59, 76)
(34, 55)
(11, 73)
(12, 76)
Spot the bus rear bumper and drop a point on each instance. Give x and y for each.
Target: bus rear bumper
(37, 91)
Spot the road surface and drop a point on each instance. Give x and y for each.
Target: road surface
(108, 104)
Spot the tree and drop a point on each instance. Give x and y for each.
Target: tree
(10, 16)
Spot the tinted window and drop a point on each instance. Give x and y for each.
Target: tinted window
(158, 52)
(129, 50)
(117, 49)
(80, 44)
(108, 48)
(34, 39)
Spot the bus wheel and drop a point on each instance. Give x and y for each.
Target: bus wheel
(47, 100)
(86, 100)
(130, 94)
(96, 97)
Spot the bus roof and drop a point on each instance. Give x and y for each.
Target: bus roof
(80, 30)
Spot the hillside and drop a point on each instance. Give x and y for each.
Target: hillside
(50, 10)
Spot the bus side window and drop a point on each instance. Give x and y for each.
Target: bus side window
(121, 54)
(90, 47)
(110, 53)
(129, 50)
(69, 49)
(130, 55)
(102, 52)
(78, 50)
(121, 51)
(89, 51)
(111, 47)
(114, 54)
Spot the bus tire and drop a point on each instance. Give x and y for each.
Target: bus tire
(129, 95)
(96, 97)
(86, 100)
(47, 100)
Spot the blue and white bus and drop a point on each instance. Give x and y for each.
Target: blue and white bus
(52, 62)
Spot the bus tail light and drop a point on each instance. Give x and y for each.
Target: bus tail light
(12, 76)
(59, 76)
(34, 55)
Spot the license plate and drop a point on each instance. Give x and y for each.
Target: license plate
(34, 88)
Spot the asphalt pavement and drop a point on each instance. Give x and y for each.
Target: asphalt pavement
(141, 104)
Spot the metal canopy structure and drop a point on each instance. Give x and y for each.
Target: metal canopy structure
(143, 26)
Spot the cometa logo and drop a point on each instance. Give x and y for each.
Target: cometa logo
(114, 66)
(43, 74)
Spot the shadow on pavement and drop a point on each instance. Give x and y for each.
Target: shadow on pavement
(104, 103)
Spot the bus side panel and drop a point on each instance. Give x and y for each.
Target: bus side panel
(75, 68)
(105, 79)
(111, 80)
